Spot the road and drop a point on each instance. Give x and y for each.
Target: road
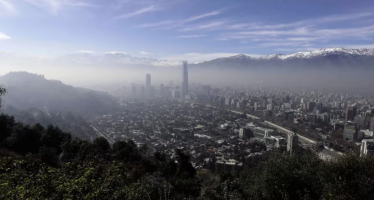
(103, 135)
(326, 153)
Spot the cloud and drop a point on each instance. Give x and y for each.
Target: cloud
(54, 6)
(85, 51)
(303, 36)
(210, 25)
(170, 24)
(157, 24)
(190, 36)
(6, 8)
(202, 16)
(4, 37)
(138, 12)
(356, 46)
(238, 26)
(145, 53)
(299, 32)
(116, 52)
(309, 22)
(200, 57)
(296, 49)
(159, 4)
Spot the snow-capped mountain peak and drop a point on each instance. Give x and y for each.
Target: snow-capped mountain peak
(322, 52)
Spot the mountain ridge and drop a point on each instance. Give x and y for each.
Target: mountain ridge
(123, 59)
(330, 57)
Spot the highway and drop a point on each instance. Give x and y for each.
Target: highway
(326, 153)
(103, 135)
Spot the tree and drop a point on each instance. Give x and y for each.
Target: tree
(53, 136)
(2, 92)
(349, 177)
(126, 150)
(102, 143)
(286, 176)
(24, 139)
(6, 124)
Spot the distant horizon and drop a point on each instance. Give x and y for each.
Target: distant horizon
(190, 61)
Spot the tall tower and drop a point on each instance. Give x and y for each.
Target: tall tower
(148, 85)
(184, 79)
(350, 113)
(133, 89)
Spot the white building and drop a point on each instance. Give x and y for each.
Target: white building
(292, 142)
(367, 147)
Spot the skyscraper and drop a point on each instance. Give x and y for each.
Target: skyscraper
(142, 91)
(350, 113)
(148, 85)
(133, 89)
(292, 142)
(184, 88)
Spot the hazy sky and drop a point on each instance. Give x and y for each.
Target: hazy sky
(183, 29)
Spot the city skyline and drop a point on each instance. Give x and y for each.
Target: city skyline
(149, 89)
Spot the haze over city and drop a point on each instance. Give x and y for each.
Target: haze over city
(186, 99)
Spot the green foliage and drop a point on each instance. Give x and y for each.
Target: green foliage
(288, 177)
(349, 177)
(102, 143)
(24, 139)
(6, 125)
(2, 91)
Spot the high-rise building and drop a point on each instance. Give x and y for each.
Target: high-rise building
(133, 89)
(142, 91)
(360, 121)
(148, 85)
(246, 133)
(311, 105)
(289, 116)
(184, 88)
(292, 142)
(350, 113)
(372, 124)
(350, 132)
(367, 147)
(162, 90)
(287, 99)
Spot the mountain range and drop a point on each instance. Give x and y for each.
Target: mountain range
(331, 57)
(323, 58)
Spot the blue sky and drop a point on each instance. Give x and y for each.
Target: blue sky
(183, 29)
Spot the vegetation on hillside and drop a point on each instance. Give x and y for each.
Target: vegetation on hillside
(47, 163)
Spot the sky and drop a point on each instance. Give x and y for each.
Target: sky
(193, 30)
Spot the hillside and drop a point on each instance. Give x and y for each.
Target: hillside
(25, 90)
